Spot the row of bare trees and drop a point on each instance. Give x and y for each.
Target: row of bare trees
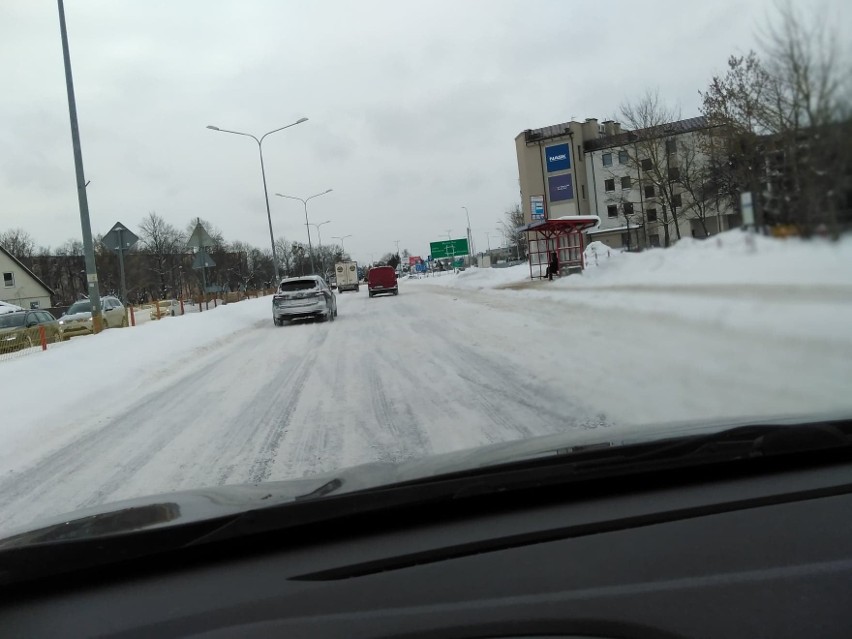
(777, 124)
(160, 265)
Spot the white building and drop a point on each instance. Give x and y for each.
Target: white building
(634, 181)
(20, 285)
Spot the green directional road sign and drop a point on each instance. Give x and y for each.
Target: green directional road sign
(448, 248)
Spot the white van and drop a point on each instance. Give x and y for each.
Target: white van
(346, 274)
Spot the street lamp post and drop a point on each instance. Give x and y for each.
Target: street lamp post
(341, 238)
(263, 175)
(304, 202)
(470, 250)
(319, 240)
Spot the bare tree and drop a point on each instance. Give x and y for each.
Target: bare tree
(513, 220)
(786, 123)
(164, 243)
(19, 243)
(660, 157)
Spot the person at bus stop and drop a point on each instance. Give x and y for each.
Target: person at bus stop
(553, 267)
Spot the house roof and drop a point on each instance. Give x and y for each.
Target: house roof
(28, 271)
(627, 137)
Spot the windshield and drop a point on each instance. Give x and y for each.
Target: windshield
(79, 307)
(10, 320)
(576, 220)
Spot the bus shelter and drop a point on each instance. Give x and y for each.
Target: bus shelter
(563, 236)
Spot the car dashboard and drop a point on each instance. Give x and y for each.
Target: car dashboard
(752, 551)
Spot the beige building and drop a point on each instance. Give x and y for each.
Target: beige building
(591, 168)
(20, 285)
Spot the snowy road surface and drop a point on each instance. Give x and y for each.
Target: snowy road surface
(433, 370)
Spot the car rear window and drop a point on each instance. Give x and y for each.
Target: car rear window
(298, 285)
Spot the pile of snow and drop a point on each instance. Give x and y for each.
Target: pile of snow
(733, 257)
(481, 278)
(5, 307)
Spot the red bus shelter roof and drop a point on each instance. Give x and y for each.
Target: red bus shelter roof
(567, 223)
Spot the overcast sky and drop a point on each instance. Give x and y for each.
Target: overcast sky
(413, 106)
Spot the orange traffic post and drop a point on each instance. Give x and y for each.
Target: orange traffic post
(43, 337)
(132, 317)
(157, 304)
(181, 307)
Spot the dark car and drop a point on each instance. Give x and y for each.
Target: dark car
(303, 298)
(382, 279)
(20, 329)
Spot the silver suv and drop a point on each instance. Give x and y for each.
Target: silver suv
(303, 298)
(77, 320)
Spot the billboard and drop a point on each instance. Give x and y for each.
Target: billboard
(414, 259)
(448, 248)
(537, 207)
(558, 157)
(561, 187)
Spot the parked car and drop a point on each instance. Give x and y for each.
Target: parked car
(168, 308)
(382, 279)
(303, 298)
(77, 320)
(20, 329)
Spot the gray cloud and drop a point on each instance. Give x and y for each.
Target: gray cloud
(413, 106)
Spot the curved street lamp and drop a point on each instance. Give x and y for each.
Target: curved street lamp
(341, 238)
(304, 202)
(319, 243)
(263, 174)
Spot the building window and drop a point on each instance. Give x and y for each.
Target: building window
(654, 238)
(612, 210)
(671, 146)
(583, 187)
(626, 182)
(649, 191)
(623, 157)
(674, 174)
(609, 185)
(647, 165)
(676, 200)
(628, 208)
(651, 215)
(8, 280)
(606, 158)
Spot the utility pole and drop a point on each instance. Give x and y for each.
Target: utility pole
(88, 247)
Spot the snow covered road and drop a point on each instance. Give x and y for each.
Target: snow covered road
(433, 370)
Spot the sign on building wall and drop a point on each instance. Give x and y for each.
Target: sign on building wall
(537, 207)
(561, 187)
(558, 157)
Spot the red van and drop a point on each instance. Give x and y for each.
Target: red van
(382, 279)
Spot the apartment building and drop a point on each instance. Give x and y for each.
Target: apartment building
(649, 186)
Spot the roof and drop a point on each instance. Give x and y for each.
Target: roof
(28, 271)
(546, 132)
(568, 222)
(627, 137)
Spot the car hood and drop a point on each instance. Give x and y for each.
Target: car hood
(76, 316)
(197, 505)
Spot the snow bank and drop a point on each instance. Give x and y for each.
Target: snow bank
(62, 376)
(733, 257)
(736, 281)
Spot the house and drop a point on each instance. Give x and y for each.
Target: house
(20, 285)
